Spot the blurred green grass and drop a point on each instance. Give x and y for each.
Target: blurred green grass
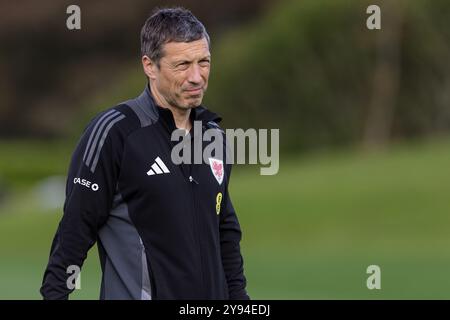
(310, 231)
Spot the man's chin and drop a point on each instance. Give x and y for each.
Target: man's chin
(193, 103)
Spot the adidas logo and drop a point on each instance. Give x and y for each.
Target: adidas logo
(158, 168)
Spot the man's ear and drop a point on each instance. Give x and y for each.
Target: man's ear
(150, 67)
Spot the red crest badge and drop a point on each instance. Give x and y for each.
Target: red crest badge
(217, 169)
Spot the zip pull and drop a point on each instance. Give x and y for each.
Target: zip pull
(192, 180)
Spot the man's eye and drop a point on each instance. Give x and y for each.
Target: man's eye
(204, 62)
(182, 66)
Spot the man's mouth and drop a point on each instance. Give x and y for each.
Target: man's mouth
(194, 91)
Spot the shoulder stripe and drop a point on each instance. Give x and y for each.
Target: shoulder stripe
(102, 141)
(98, 123)
(94, 143)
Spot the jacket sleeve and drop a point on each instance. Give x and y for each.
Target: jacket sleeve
(90, 188)
(230, 237)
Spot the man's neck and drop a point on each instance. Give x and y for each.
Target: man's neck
(180, 116)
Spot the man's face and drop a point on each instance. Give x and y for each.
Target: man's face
(182, 76)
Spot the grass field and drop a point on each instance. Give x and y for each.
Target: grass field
(310, 232)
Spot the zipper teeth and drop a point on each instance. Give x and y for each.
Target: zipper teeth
(197, 226)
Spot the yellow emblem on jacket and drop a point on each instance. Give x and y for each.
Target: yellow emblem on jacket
(218, 202)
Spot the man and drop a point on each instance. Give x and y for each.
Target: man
(164, 231)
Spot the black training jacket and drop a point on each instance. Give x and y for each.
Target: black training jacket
(164, 231)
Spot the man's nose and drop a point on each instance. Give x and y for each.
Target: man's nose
(194, 75)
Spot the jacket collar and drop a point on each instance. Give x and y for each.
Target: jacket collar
(199, 113)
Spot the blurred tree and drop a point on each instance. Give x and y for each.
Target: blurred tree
(314, 70)
(386, 76)
(49, 71)
(310, 68)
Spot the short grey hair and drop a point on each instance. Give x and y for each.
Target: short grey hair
(169, 25)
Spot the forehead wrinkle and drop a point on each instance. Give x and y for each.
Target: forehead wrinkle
(186, 51)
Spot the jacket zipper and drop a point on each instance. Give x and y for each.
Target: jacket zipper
(197, 226)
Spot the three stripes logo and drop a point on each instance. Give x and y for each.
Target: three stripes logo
(158, 168)
(98, 137)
